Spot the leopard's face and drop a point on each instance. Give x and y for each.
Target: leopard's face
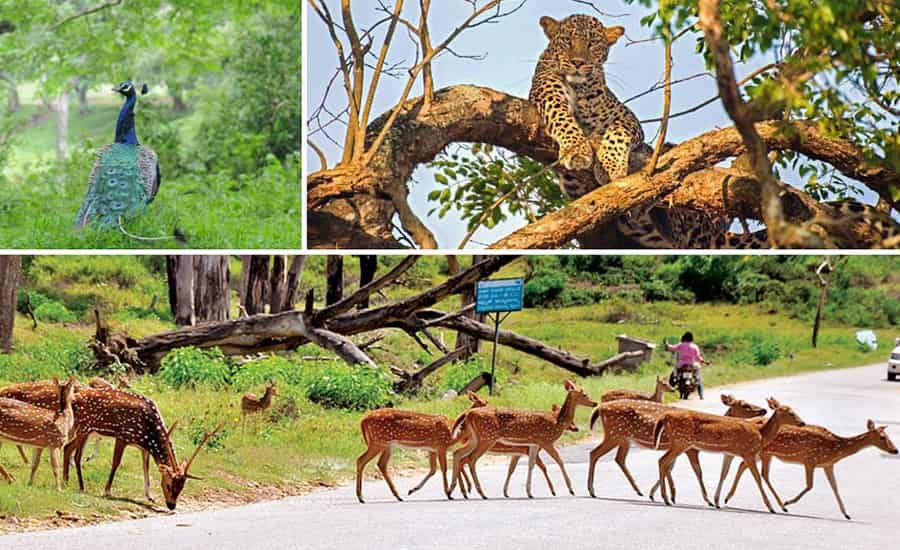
(580, 45)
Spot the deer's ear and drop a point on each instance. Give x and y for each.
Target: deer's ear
(870, 425)
(613, 34)
(727, 399)
(570, 386)
(550, 26)
(773, 403)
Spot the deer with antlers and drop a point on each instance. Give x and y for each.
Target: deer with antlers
(815, 447)
(132, 420)
(251, 404)
(627, 422)
(662, 386)
(719, 434)
(484, 427)
(38, 427)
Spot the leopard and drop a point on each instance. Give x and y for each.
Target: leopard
(596, 131)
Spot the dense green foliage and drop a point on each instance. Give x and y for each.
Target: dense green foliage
(223, 115)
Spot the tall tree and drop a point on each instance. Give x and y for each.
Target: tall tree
(368, 265)
(335, 276)
(180, 272)
(824, 273)
(211, 290)
(254, 289)
(10, 270)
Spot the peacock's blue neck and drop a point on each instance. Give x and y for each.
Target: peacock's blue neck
(125, 132)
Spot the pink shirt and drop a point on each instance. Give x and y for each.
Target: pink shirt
(688, 353)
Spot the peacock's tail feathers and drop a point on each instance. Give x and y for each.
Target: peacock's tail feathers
(122, 183)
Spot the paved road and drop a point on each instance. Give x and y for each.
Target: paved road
(841, 400)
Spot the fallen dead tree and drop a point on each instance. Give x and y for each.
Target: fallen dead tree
(332, 327)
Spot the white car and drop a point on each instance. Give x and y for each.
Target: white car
(893, 366)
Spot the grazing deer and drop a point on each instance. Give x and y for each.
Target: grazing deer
(132, 420)
(719, 434)
(26, 424)
(513, 451)
(662, 386)
(250, 403)
(816, 447)
(538, 430)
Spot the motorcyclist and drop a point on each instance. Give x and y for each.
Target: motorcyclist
(689, 355)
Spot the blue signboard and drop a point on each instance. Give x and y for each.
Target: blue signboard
(497, 295)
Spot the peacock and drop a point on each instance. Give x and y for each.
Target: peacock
(126, 175)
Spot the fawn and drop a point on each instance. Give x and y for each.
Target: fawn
(662, 386)
(250, 403)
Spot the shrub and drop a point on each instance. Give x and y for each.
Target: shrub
(274, 368)
(764, 351)
(543, 288)
(581, 296)
(54, 312)
(46, 360)
(193, 367)
(341, 386)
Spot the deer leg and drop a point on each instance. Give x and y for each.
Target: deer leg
(665, 465)
(809, 486)
(6, 475)
(766, 462)
(671, 484)
(361, 462)
(540, 464)
(656, 486)
(458, 456)
(750, 461)
(79, 452)
(116, 460)
(432, 468)
(621, 455)
(466, 479)
(54, 463)
(829, 474)
(442, 461)
(596, 454)
(22, 454)
(554, 454)
(383, 468)
(737, 478)
(532, 455)
(694, 458)
(146, 464)
(513, 462)
(96, 450)
(483, 447)
(35, 462)
(726, 466)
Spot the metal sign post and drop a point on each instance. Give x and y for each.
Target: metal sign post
(500, 297)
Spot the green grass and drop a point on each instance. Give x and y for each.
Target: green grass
(319, 445)
(40, 197)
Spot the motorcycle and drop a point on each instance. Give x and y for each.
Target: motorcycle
(686, 380)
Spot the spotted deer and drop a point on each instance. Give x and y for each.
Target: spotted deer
(251, 404)
(513, 451)
(688, 429)
(538, 430)
(737, 408)
(38, 427)
(132, 420)
(662, 386)
(815, 447)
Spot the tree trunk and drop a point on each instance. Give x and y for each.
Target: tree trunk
(183, 306)
(172, 280)
(61, 107)
(335, 274)
(10, 269)
(293, 282)
(278, 284)
(211, 292)
(13, 103)
(254, 283)
(824, 273)
(368, 265)
(470, 344)
(84, 106)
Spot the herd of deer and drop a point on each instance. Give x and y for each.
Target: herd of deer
(627, 417)
(62, 416)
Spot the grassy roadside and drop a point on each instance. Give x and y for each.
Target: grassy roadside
(309, 445)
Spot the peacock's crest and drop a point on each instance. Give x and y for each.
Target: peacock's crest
(125, 177)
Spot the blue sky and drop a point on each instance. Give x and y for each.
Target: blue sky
(511, 49)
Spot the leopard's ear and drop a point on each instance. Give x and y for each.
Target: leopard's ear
(613, 34)
(550, 26)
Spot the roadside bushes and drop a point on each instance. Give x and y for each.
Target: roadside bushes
(360, 387)
(543, 288)
(192, 367)
(47, 359)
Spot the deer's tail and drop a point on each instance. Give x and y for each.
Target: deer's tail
(658, 429)
(594, 416)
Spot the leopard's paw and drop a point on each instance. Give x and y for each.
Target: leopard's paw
(577, 157)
